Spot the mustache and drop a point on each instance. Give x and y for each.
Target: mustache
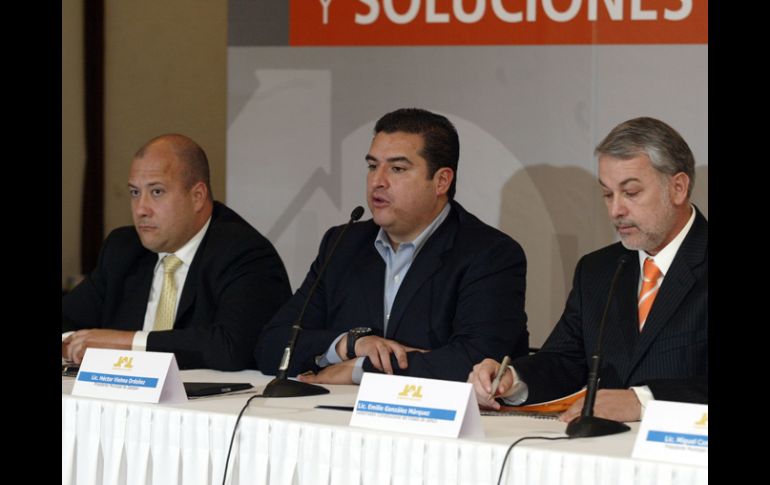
(623, 223)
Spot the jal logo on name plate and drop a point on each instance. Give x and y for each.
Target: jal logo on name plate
(124, 363)
(703, 422)
(411, 392)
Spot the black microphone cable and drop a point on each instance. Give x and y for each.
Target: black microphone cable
(235, 428)
(505, 458)
(281, 376)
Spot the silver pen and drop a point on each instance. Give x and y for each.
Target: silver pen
(500, 373)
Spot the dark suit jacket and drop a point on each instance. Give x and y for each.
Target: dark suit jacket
(463, 299)
(235, 283)
(670, 355)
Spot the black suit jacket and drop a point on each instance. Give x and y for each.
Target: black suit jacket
(670, 355)
(235, 283)
(462, 298)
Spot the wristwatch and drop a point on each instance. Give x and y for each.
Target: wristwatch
(355, 334)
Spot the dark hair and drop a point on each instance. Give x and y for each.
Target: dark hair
(441, 146)
(196, 164)
(663, 145)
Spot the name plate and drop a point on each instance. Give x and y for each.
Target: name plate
(674, 432)
(129, 376)
(416, 405)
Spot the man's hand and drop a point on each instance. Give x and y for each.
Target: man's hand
(378, 349)
(614, 404)
(74, 346)
(341, 373)
(482, 376)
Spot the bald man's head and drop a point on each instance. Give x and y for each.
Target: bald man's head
(194, 161)
(170, 196)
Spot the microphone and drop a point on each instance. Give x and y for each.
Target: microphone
(281, 386)
(587, 424)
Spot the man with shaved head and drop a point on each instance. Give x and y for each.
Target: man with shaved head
(190, 277)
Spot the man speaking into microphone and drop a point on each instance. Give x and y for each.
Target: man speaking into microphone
(655, 337)
(424, 288)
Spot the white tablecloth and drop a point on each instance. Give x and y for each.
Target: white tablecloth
(288, 441)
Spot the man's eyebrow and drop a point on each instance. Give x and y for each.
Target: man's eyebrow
(400, 158)
(629, 180)
(625, 182)
(149, 184)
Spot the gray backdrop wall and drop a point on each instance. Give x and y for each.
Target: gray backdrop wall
(300, 121)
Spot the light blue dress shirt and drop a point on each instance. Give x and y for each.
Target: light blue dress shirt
(397, 264)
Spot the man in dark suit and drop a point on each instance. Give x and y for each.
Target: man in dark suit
(655, 343)
(231, 278)
(423, 289)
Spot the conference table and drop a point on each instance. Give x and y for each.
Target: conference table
(289, 441)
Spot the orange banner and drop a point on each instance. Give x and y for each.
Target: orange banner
(497, 22)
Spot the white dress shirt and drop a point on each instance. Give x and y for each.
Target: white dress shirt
(186, 254)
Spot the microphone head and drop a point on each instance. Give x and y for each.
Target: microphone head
(357, 213)
(623, 259)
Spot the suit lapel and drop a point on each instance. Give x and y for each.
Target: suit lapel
(370, 270)
(188, 292)
(427, 262)
(676, 285)
(193, 281)
(626, 318)
(137, 292)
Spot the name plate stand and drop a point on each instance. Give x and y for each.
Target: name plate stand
(674, 432)
(127, 375)
(417, 405)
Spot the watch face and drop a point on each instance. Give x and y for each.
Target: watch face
(361, 330)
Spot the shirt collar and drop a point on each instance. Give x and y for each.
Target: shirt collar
(665, 256)
(187, 252)
(382, 243)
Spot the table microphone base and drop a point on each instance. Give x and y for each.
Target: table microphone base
(287, 388)
(585, 426)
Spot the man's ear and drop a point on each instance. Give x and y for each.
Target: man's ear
(443, 178)
(679, 185)
(200, 194)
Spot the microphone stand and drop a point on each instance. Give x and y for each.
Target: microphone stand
(587, 424)
(281, 386)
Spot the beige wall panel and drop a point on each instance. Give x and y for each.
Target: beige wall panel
(72, 136)
(165, 71)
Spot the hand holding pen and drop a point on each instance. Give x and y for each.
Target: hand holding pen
(499, 375)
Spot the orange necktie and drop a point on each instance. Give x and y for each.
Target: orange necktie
(649, 290)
